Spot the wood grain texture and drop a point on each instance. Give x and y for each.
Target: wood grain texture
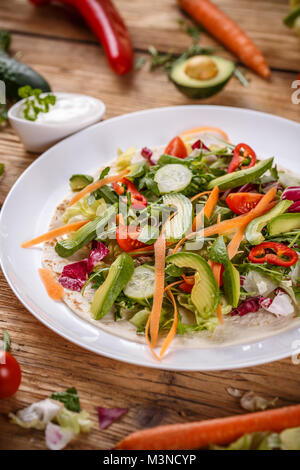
(156, 23)
(65, 52)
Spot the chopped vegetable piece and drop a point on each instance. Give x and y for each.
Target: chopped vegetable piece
(53, 288)
(219, 431)
(107, 416)
(252, 304)
(173, 329)
(98, 184)
(74, 275)
(241, 203)
(57, 232)
(69, 398)
(79, 182)
(34, 103)
(37, 415)
(98, 253)
(241, 154)
(57, 438)
(160, 257)
(273, 253)
(127, 238)
(205, 130)
(207, 210)
(176, 148)
(10, 375)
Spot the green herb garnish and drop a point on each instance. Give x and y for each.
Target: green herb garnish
(35, 103)
(191, 29)
(6, 341)
(69, 398)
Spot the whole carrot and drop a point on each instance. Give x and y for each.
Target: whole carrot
(219, 25)
(220, 431)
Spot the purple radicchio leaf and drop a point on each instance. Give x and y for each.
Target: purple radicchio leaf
(107, 416)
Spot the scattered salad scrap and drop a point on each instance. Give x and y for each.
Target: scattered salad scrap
(10, 371)
(184, 239)
(108, 416)
(266, 430)
(59, 415)
(292, 19)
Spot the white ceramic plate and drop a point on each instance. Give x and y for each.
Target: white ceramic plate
(32, 200)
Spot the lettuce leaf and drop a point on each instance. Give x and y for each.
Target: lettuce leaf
(85, 209)
(76, 422)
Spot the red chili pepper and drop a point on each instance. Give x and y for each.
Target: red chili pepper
(273, 253)
(107, 24)
(241, 153)
(185, 287)
(138, 200)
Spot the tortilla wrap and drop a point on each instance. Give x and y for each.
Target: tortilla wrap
(236, 330)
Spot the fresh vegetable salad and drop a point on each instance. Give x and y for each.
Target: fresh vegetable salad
(180, 240)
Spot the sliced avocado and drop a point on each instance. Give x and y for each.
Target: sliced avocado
(201, 76)
(253, 232)
(78, 182)
(241, 177)
(232, 284)
(177, 227)
(84, 235)
(205, 294)
(118, 276)
(284, 223)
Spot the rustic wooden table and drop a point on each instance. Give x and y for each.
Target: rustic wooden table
(59, 45)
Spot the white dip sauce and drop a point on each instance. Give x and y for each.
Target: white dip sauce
(68, 109)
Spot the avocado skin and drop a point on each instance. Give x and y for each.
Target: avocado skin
(200, 93)
(118, 277)
(15, 74)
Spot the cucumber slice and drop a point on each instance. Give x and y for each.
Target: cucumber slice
(173, 177)
(141, 284)
(180, 224)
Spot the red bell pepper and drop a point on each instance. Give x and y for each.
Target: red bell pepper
(138, 201)
(273, 253)
(107, 24)
(241, 153)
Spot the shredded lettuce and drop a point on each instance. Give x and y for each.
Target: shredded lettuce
(83, 209)
(124, 158)
(37, 415)
(258, 284)
(76, 422)
(289, 439)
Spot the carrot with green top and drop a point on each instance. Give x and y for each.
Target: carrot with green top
(225, 30)
(220, 431)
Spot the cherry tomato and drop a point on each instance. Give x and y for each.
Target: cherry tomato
(176, 148)
(127, 238)
(241, 203)
(10, 375)
(241, 153)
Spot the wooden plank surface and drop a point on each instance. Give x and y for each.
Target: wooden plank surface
(50, 363)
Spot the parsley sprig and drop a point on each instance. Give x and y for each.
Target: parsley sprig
(35, 103)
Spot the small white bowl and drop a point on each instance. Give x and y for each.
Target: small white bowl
(38, 137)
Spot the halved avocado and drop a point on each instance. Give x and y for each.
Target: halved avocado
(205, 294)
(284, 223)
(118, 276)
(201, 76)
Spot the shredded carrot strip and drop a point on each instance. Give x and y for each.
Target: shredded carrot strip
(148, 340)
(172, 332)
(53, 288)
(204, 193)
(57, 232)
(160, 257)
(208, 208)
(189, 279)
(172, 285)
(233, 246)
(213, 130)
(98, 184)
